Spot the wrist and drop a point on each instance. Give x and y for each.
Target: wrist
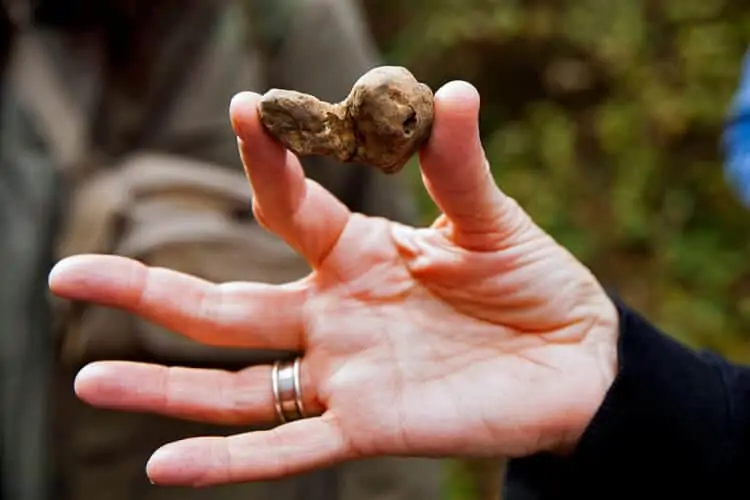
(602, 342)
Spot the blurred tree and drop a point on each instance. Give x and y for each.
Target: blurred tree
(603, 119)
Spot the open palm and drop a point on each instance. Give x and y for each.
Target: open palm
(476, 336)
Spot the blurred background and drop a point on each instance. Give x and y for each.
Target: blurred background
(604, 119)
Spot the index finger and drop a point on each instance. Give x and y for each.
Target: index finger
(253, 315)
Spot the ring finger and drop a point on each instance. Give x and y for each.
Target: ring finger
(218, 397)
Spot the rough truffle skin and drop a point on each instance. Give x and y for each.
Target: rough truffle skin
(383, 122)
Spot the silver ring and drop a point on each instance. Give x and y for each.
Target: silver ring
(287, 390)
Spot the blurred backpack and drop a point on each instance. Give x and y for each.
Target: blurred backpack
(161, 209)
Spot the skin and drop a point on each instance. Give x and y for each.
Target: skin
(476, 336)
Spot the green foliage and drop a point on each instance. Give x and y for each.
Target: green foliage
(603, 120)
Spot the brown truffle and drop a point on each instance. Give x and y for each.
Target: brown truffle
(382, 123)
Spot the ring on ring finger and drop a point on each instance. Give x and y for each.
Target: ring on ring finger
(287, 390)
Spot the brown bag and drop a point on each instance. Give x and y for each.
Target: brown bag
(176, 213)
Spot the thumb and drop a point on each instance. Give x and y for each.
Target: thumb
(458, 177)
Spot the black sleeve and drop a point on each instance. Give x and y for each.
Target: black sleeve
(674, 421)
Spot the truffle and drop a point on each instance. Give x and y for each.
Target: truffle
(382, 123)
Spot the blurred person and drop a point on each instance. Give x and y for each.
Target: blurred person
(479, 335)
(129, 100)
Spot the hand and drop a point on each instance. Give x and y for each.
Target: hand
(477, 336)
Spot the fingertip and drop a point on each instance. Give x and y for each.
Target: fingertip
(454, 141)
(53, 278)
(181, 463)
(456, 127)
(252, 137)
(90, 376)
(85, 381)
(105, 279)
(458, 96)
(62, 266)
(66, 270)
(159, 464)
(243, 112)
